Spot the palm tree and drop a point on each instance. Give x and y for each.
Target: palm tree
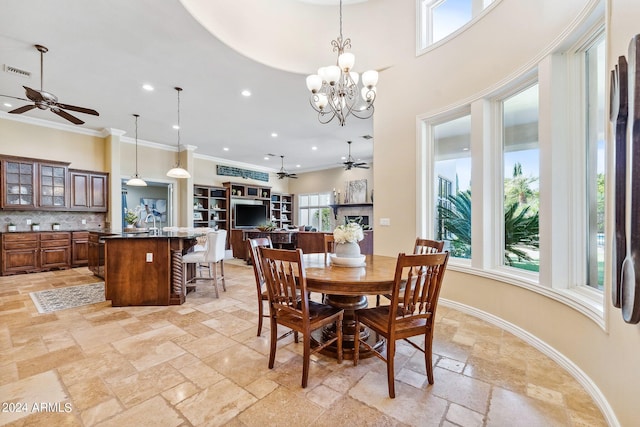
(520, 228)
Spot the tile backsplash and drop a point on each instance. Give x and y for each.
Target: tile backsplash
(67, 220)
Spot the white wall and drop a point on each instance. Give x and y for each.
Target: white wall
(509, 40)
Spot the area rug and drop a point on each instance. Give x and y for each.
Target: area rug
(72, 296)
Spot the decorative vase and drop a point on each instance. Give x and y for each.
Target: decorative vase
(35, 227)
(347, 250)
(55, 227)
(12, 228)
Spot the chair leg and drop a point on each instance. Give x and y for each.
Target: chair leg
(339, 335)
(260, 315)
(356, 344)
(224, 286)
(215, 278)
(274, 340)
(391, 351)
(428, 358)
(306, 357)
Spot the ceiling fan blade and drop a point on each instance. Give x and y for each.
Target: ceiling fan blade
(15, 97)
(293, 176)
(362, 166)
(78, 109)
(33, 94)
(65, 115)
(22, 109)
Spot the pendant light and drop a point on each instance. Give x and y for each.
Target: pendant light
(136, 181)
(177, 171)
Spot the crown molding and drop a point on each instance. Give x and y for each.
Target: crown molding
(51, 125)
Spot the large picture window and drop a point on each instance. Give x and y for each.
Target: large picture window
(314, 211)
(595, 77)
(452, 179)
(521, 173)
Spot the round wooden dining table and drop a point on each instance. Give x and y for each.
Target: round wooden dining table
(347, 288)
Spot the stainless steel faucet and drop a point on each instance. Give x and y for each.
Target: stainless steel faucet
(154, 229)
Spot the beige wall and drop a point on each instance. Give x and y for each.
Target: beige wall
(484, 57)
(82, 151)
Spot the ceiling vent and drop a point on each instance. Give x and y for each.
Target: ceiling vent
(367, 136)
(16, 71)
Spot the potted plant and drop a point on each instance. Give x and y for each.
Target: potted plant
(35, 226)
(130, 218)
(55, 226)
(11, 227)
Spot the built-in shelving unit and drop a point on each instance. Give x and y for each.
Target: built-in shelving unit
(282, 209)
(210, 207)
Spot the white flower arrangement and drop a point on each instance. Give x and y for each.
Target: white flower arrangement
(348, 233)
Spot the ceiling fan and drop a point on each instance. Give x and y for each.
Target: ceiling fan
(351, 163)
(45, 100)
(283, 173)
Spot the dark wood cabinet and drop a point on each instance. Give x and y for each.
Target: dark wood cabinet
(55, 250)
(79, 248)
(96, 253)
(19, 253)
(34, 184)
(52, 188)
(34, 252)
(89, 190)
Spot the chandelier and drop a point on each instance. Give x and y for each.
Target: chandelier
(177, 171)
(334, 90)
(135, 180)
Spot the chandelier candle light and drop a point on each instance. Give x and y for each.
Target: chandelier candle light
(334, 90)
(177, 171)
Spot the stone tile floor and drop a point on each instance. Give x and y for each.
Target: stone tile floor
(201, 364)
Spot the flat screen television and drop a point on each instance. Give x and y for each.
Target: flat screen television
(250, 216)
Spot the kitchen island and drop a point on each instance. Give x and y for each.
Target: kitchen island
(145, 268)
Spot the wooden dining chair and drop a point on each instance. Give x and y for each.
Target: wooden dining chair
(416, 288)
(329, 245)
(253, 246)
(422, 246)
(289, 305)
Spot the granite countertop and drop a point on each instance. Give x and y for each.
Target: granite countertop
(150, 235)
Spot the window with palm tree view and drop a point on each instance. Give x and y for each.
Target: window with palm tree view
(452, 178)
(521, 167)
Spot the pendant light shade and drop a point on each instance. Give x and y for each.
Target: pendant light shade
(135, 180)
(178, 171)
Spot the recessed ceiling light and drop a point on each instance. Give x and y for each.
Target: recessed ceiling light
(297, 166)
(273, 134)
(6, 104)
(176, 127)
(343, 158)
(225, 148)
(147, 87)
(266, 157)
(314, 148)
(465, 149)
(246, 92)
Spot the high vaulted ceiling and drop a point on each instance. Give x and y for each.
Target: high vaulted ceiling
(101, 52)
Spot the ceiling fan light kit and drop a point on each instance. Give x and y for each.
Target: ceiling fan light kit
(48, 101)
(136, 181)
(334, 90)
(177, 171)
